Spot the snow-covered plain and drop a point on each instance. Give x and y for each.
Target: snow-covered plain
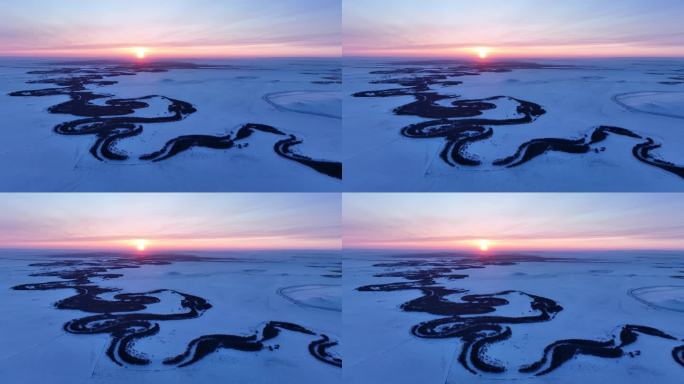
(645, 96)
(599, 293)
(299, 97)
(244, 290)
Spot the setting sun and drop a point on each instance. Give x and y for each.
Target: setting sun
(482, 52)
(140, 52)
(484, 245)
(141, 245)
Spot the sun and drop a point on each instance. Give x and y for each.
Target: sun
(482, 52)
(141, 244)
(140, 52)
(484, 245)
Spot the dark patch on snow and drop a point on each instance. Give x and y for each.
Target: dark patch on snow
(111, 122)
(458, 124)
(472, 318)
(122, 319)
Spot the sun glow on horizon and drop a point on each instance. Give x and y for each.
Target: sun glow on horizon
(484, 245)
(482, 52)
(141, 244)
(140, 52)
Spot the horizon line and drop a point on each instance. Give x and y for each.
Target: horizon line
(165, 57)
(504, 57)
(417, 57)
(161, 249)
(512, 250)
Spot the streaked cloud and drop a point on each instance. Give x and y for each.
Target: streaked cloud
(514, 28)
(514, 221)
(171, 27)
(171, 221)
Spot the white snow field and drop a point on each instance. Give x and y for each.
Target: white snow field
(243, 290)
(644, 96)
(298, 97)
(601, 295)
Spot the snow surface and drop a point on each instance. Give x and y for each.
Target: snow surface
(623, 93)
(593, 290)
(244, 295)
(225, 98)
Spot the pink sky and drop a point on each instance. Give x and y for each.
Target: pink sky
(170, 221)
(170, 28)
(513, 221)
(520, 28)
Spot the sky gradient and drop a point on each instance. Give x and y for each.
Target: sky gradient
(517, 28)
(514, 221)
(170, 221)
(170, 28)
